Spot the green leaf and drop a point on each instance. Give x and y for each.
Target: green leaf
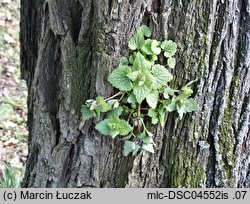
(171, 62)
(137, 148)
(185, 105)
(187, 91)
(154, 116)
(142, 80)
(115, 113)
(145, 31)
(113, 123)
(168, 92)
(131, 99)
(161, 113)
(116, 104)
(141, 92)
(123, 61)
(136, 41)
(124, 128)
(148, 133)
(114, 133)
(181, 110)
(103, 127)
(108, 127)
(145, 138)
(93, 105)
(133, 75)
(155, 47)
(191, 105)
(146, 49)
(152, 99)
(153, 58)
(86, 113)
(149, 78)
(151, 47)
(118, 78)
(114, 126)
(161, 76)
(104, 106)
(148, 147)
(97, 113)
(132, 57)
(172, 106)
(169, 47)
(128, 147)
(140, 63)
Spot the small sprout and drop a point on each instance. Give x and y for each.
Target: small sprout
(187, 90)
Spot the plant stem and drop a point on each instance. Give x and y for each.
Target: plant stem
(121, 97)
(129, 117)
(139, 118)
(111, 97)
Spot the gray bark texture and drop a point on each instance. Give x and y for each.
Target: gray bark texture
(68, 48)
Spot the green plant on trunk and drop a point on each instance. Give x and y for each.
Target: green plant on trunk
(144, 92)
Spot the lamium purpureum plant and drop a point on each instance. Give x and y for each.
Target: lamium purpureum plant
(144, 94)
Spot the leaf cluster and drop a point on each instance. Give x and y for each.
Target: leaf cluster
(144, 93)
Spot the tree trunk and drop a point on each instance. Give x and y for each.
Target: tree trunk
(68, 47)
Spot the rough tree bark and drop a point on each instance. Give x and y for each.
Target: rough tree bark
(68, 47)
